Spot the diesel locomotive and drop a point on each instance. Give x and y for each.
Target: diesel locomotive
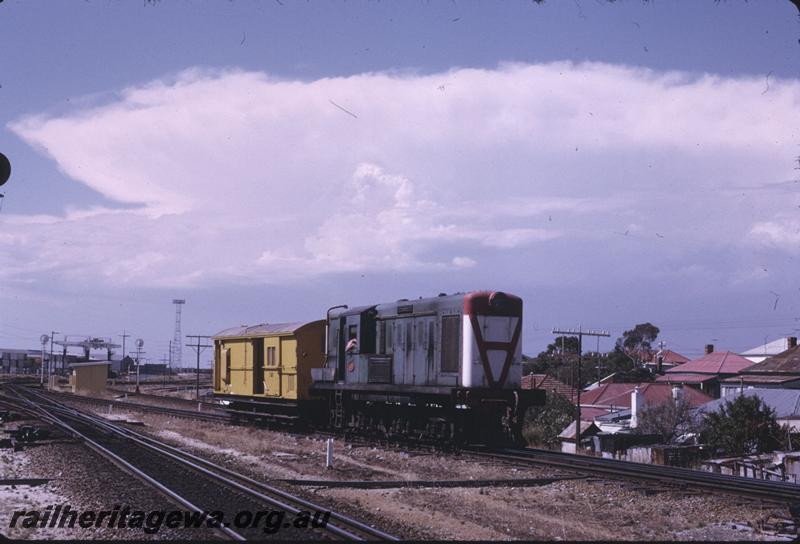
(444, 369)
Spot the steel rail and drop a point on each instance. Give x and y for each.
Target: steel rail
(177, 412)
(737, 485)
(124, 465)
(216, 472)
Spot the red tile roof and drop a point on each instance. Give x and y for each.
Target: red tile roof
(548, 383)
(671, 357)
(685, 377)
(717, 362)
(618, 395)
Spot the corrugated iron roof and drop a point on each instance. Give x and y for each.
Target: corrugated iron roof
(717, 362)
(589, 413)
(785, 402)
(785, 362)
(761, 378)
(89, 363)
(548, 383)
(619, 394)
(586, 426)
(770, 348)
(260, 330)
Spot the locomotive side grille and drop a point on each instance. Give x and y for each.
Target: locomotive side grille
(379, 369)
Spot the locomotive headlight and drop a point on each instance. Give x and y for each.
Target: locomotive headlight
(499, 300)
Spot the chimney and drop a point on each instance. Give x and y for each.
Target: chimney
(636, 405)
(677, 392)
(791, 342)
(709, 348)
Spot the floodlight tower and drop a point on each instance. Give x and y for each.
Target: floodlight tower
(177, 341)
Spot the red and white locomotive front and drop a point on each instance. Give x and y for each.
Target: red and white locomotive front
(491, 349)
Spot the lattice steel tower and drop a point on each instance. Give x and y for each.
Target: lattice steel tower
(177, 341)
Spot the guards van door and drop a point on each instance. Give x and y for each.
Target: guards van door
(272, 371)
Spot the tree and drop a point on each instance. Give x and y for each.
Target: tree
(670, 420)
(543, 425)
(557, 360)
(744, 426)
(636, 343)
(634, 375)
(560, 357)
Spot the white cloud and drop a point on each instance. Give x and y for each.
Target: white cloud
(239, 176)
(784, 233)
(463, 262)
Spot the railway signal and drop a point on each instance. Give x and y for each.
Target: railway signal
(44, 339)
(5, 169)
(5, 173)
(139, 345)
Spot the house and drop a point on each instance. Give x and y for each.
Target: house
(664, 360)
(780, 371)
(550, 385)
(785, 402)
(707, 372)
(611, 406)
(769, 349)
(567, 436)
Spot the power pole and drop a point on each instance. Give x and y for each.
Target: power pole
(198, 349)
(170, 358)
(580, 333)
(124, 335)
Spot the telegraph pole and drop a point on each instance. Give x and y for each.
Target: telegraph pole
(198, 349)
(50, 361)
(124, 335)
(580, 333)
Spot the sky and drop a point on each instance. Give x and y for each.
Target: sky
(611, 163)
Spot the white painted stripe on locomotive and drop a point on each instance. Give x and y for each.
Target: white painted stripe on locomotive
(469, 354)
(493, 329)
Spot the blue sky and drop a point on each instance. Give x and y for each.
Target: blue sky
(611, 163)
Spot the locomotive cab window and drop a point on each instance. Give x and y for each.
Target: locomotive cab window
(451, 339)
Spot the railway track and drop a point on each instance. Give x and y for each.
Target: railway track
(654, 474)
(684, 478)
(164, 410)
(196, 484)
